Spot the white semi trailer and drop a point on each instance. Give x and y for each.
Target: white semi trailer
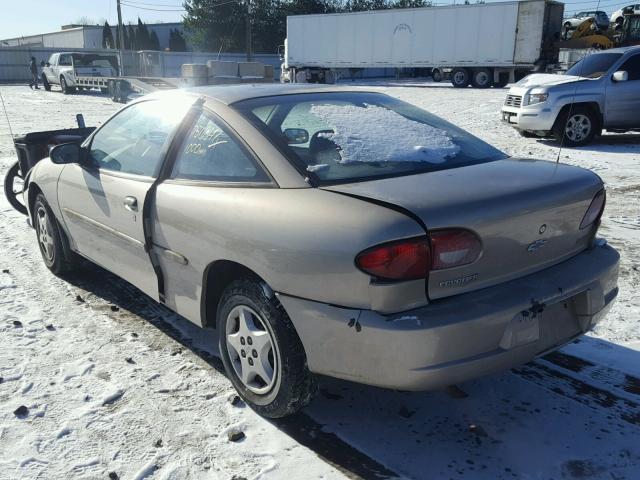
(480, 44)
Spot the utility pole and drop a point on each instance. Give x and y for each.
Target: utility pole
(120, 38)
(248, 31)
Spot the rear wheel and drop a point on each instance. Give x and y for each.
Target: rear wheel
(63, 85)
(14, 186)
(261, 351)
(460, 77)
(436, 74)
(50, 238)
(576, 127)
(45, 83)
(482, 78)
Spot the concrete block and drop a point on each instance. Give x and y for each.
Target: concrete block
(195, 70)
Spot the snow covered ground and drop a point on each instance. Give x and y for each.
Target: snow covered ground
(118, 387)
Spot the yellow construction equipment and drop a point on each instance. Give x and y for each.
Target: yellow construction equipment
(587, 35)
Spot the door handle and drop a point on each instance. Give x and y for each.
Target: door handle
(131, 203)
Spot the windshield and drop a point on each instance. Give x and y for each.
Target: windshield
(594, 66)
(349, 136)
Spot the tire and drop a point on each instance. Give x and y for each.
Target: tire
(576, 126)
(291, 386)
(14, 186)
(51, 240)
(66, 89)
(436, 74)
(45, 83)
(481, 77)
(460, 78)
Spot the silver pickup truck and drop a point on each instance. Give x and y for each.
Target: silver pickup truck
(65, 69)
(600, 92)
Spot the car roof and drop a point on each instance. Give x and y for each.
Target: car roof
(229, 94)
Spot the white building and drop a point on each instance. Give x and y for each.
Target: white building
(86, 36)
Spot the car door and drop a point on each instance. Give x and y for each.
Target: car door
(50, 71)
(102, 198)
(623, 98)
(214, 179)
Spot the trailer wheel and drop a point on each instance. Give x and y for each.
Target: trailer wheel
(436, 74)
(481, 78)
(460, 77)
(45, 83)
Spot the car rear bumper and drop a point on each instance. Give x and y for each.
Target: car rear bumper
(529, 119)
(461, 337)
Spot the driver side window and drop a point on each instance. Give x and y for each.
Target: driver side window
(632, 67)
(134, 140)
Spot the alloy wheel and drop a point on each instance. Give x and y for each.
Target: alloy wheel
(252, 349)
(578, 127)
(44, 235)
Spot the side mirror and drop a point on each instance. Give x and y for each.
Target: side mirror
(621, 76)
(66, 153)
(296, 136)
(47, 64)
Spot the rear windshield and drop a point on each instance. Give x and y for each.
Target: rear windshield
(594, 66)
(350, 136)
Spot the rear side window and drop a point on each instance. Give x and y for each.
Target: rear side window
(210, 153)
(65, 61)
(632, 67)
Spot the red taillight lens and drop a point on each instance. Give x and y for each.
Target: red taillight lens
(404, 260)
(452, 248)
(594, 212)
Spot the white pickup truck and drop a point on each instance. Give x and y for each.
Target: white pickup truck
(74, 70)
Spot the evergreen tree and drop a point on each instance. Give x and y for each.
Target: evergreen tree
(107, 36)
(154, 43)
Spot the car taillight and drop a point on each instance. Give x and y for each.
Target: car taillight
(403, 260)
(413, 259)
(594, 212)
(453, 248)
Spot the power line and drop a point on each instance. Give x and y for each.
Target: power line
(152, 9)
(155, 4)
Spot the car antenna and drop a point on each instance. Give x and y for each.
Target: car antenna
(573, 98)
(6, 115)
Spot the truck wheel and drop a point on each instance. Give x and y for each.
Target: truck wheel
(45, 83)
(482, 78)
(261, 351)
(460, 77)
(14, 186)
(50, 238)
(576, 127)
(436, 74)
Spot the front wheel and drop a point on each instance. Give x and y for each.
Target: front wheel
(50, 238)
(576, 127)
(460, 77)
(261, 351)
(436, 74)
(14, 187)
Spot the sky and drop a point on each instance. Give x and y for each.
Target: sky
(29, 17)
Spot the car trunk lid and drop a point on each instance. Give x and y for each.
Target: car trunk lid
(527, 214)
